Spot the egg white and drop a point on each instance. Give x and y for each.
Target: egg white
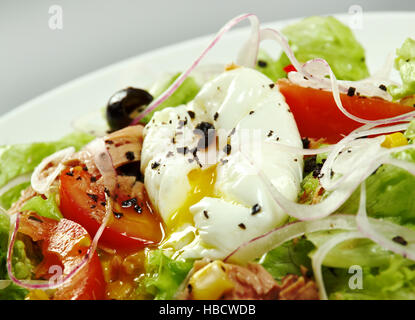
(247, 110)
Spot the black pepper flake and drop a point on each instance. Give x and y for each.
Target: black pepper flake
(189, 287)
(242, 226)
(169, 154)
(270, 133)
(69, 173)
(183, 150)
(130, 155)
(400, 240)
(155, 165)
(173, 140)
(207, 132)
(227, 149)
(138, 209)
(191, 114)
(85, 168)
(251, 112)
(382, 87)
(306, 143)
(35, 219)
(94, 197)
(117, 215)
(216, 116)
(128, 203)
(255, 209)
(93, 179)
(272, 85)
(224, 161)
(205, 213)
(103, 203)
(79, 178)
(262, 63)
(182, 123)
(351, 91)
(93, 206)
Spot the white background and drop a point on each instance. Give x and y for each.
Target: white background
(35, 59)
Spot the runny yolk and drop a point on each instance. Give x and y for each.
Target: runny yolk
(202, 183)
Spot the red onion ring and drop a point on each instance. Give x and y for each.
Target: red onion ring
(253, 41)
(87, 258)
(378, 233)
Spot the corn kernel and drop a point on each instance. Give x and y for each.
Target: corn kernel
(210, 282)
(37, 294)
(394, 140)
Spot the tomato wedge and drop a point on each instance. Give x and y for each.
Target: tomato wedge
(318, 116)
(64, 244)
(130, 227)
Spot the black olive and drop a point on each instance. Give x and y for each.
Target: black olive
(123, 103)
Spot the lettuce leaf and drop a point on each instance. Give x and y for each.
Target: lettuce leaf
(19, 159)
(362, 252)
(405, 64)
(288, 258)
(395, 281)
(13, 292)
(184, 94)
(12, 195)
(164, 274)
(322, 37)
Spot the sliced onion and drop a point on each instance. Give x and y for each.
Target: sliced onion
(326, 70)
(103, 162)
(15, 182)
(373, 151)
(258, 246)
(249, 59)
(384, 234)
(87, 258)
(41, 185)
(302, 151)
(320, 254)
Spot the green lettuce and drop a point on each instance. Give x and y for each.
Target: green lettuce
(273, 69)
(164, 275)
(19, 159)
(44, 207)
(184, 94)
(362, 252)
(395, 281)
(12, 195)
(405, 64)
(288, 258)
(21, 264)
(321, 37)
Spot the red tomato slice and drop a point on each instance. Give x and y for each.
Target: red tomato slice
(64, 244)
(83, 201)
(318, 116)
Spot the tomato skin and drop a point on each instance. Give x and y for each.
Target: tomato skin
(318, 116)
(64, 244)
(76, 205)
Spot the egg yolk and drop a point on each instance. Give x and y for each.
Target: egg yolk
(202, 184)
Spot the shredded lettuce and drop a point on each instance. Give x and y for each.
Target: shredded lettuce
(321, 37)
(44, 207)
(405, 64)
(184, 94)
(164, 274)
(16, 160)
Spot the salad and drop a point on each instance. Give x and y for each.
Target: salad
(286, 179)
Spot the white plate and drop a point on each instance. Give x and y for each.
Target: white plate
(49, 116)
